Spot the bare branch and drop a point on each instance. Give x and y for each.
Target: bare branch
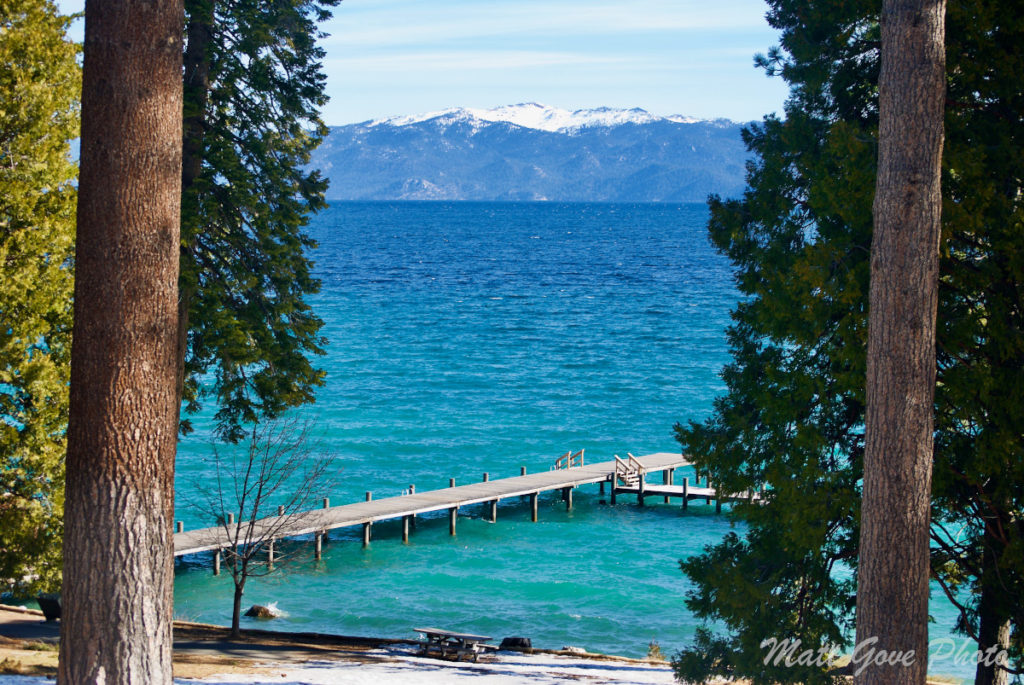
(276, 466)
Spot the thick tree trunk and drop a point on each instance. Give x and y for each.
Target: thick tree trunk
(892, 592)
(118, 564)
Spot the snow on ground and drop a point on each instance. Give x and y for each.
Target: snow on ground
(500, 670)
(402, 668)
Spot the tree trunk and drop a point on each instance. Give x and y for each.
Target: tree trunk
(118, 563)
(993, 633)
(892, 592)
(993, 622)
(236, 612)
(196, 95)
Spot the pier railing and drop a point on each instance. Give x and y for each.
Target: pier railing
(629, 472)
(568, 460)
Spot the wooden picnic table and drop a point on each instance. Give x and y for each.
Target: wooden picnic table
(445, 643)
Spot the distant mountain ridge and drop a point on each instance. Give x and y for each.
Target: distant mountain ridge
(534, 152)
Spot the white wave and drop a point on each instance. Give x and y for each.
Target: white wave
(275, 611)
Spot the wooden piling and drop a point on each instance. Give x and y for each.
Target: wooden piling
(494, 511)
(216, 563)
(412, 491)
(533, 507)
(319, 543)
(666, 478)
(327, 502)
(270, 555)
(367, 526)
(640, 490)
(453, 515)
(568, 498)
(180, 527)
(280, 510)
(686, 493)
(405, 529)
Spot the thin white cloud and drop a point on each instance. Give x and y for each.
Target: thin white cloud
(409, 24)
(469, 60)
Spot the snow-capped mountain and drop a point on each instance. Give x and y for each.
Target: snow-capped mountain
(536, 116)
(534, 152)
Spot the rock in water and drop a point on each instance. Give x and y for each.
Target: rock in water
(260, 611)
(517, 644)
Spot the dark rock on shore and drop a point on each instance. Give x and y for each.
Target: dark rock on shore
(517, 644)
(260, 611)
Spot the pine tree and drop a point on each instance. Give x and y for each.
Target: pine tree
(118, 586)
(893, 562)
(793, 414)
(253, 88)
(39, 84)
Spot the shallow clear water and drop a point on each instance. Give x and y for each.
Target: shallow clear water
(472, 337)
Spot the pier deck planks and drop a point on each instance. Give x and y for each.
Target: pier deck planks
(347, 515)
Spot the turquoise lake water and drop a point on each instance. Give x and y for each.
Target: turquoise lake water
(472, 337)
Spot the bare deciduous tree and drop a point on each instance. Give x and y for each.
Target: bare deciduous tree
(258, 494)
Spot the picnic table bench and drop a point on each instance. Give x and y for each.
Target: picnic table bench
(447, 643)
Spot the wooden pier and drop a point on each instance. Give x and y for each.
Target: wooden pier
(630, 477)
(621, 476)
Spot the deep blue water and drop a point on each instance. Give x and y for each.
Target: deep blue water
(479, 337)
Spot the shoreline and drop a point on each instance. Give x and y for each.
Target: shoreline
(203, 653)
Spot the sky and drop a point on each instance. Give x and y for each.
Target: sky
(690, 57)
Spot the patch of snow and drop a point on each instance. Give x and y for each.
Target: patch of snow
(401, 667)
(396, 668)
(535, 116)
(683, 119)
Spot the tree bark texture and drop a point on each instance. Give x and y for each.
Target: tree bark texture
(892, 591)
(118, 563)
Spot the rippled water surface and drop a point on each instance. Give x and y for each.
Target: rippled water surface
(468, 338)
